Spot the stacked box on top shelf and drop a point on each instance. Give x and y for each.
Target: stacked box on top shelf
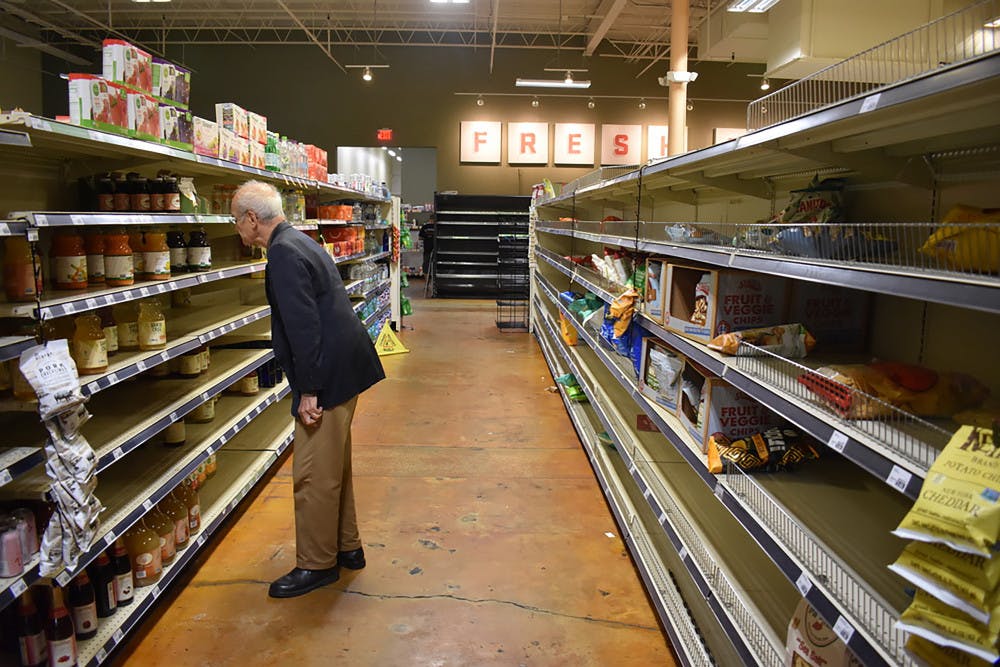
(171, 83)
(257, 126)
(98, 103)
(232, 117)
(128, 65)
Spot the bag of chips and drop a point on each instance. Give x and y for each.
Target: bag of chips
(786, 340)
(935, 621)
(929, 654)
(51, 372)
(966, 240)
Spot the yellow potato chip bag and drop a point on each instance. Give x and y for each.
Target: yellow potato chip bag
(935, 621)
(963, 581)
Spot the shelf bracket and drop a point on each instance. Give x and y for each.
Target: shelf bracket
(754, 188)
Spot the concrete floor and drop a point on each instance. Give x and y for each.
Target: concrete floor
(488, 540)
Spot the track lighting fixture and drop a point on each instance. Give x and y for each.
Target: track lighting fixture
(480, 101)
(591, 104)
(367, 76)
(765, 84)
(642, 104)
(534, 103)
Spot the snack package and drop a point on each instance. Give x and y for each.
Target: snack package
(233, 117)
(128, 64)
(51, 372)
(813, 643)
(959, 502)
(966, 240)
(176, 127)
(702, 293)
(820, 201)
(787, 340)
(928, 654)
(772, 450)
(98, 103)
(206, 137)
(935, 621)
(966, 582)
(143, 117)
(567, 330)
(662, 375)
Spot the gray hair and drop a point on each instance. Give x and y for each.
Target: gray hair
(261, 198)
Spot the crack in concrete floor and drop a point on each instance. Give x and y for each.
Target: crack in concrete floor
(443, 596)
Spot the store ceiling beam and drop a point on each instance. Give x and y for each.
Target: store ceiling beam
(103, 26)
(29, 17)
(33, 43)
(311, 36)
(610, 16)
(493, 34)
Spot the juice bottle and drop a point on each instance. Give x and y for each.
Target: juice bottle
(156, 256)
(94, 245)
(102, 574)
(211, 466)
(152, 325)
(199, 252)
(83, 606)
(118, 267)
(163, 526)
(124, 581)
(187, 494)
(22, 274)
(59, 636)
(177, 511)
(175, 435)
(110, 330)
(137, 240)
(30, 633)
(69, 261)
(178, 251)
(143, 547)
(90, 345)
(127, 316)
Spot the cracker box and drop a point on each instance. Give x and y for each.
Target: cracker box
(257, 127)
(176, 127)
(708, 405)
(171, 83)
(206, 137)
(660, 373)
(655, 297)
(258, 156)
(128, 65)
(143, 117)
(703, 303)
(232, 117)
(229, 148)
(98, 103)
(837, 317)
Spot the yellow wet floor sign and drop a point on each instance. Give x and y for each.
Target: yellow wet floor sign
(387, 342)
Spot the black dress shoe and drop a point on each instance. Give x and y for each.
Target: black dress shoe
(352, 560)
(299, 582)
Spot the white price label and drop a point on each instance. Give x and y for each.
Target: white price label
(117, 453)
(156, 592)
(803, 584)
(843, 629)
(201, 539)
(5, 476)
(78, 219)
(662, 518)
(91, 303)
(683, 553)
(94, 135)
(117, 636)
(63, 578)
(113, 378)
(899, 478)
(18, 587)
(173, 417)
(837, 441)
(720, 491)
(93, 387)
(101, 656)
(147, 504)
(109, 539)
(870, 103)
(203, 278)
(141, 364)
(647, 494)
(223, 439)
(204, 397)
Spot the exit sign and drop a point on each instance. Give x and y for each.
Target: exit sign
(384, 134)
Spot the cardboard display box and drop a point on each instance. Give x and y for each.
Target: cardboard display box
(655, 292)
(257, 128)
(98, 103)
(206, 137)
(703, 302)
(127, 64)
(258, 157)
(657, 363)
(708, 405)
(176, 127)
(837, 317)
(233, 118)
(143, 117)
(171, 83)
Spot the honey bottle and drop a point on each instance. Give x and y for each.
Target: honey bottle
(90, 345)
(110, 330)
(127, 317)
(152, 325)
(143, 547)
(137, 241)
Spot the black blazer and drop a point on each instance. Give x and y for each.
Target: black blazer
(318, 339)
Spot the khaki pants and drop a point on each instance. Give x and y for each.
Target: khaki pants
(325, 519)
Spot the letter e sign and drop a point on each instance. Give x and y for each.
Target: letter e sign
(621, 144)
(480, 142)
(574, 143)
(527, 143)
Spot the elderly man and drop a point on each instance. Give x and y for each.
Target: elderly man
(329, 359)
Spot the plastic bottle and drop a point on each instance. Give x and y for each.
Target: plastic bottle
(156, 256)
(22, 274)
(177, 511)
(199, 252)
(137, 240)
(124, 581)
(30, 632)
(127, 317)
(211, 466)
(152, 325)
(162, 525)
(178, 251)
(188, 494)
(118, 257)
(90, 345)
(143, 547)
(102, 575)
(94, 245)
(69, 261)
(83, 606)
(110, 330)
(59, 635)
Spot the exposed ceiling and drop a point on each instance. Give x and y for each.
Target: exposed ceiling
(634, 30)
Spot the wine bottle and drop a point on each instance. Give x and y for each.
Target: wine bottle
(103, 577)
(30, 633)
(59, 636)
(83, 605)
(124, 584)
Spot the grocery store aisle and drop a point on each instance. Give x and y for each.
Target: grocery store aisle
(487, 538)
